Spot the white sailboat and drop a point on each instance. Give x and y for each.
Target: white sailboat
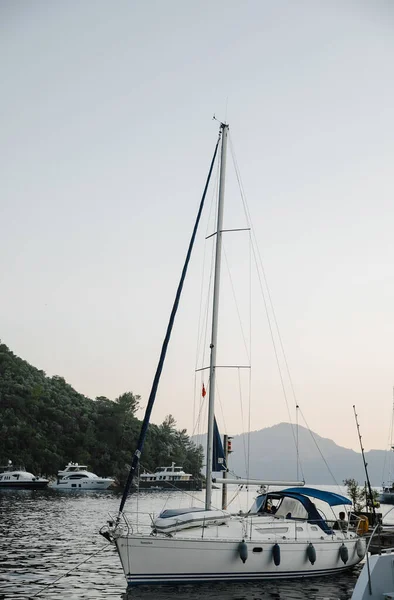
(200, 545)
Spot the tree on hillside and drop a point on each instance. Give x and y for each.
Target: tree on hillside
(128, 402)
(45, 423)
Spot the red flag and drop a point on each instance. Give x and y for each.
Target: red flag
(204, 392)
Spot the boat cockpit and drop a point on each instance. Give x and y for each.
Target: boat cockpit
(296, 503)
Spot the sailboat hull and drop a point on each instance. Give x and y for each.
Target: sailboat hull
(158, 560)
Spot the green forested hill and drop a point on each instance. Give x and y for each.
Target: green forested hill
(45, 423)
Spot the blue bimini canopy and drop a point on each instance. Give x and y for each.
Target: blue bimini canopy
(329, 497)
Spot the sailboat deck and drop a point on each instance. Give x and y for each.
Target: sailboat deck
(253, 528)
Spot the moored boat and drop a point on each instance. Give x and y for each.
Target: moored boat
(19, 478)
(168, 478)
(195, 545)
(77, 477)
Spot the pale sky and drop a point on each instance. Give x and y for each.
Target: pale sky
(106, 138)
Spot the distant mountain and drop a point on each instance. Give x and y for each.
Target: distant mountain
(273, 456)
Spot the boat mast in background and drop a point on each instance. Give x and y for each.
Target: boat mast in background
(371, 497)
(215, 310)
(390, 480)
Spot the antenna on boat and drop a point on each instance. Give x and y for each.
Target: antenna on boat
(365, 467)
(215, 310)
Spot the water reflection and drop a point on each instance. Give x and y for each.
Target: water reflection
(325, 588)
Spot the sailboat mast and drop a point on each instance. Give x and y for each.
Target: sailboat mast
(215, 310)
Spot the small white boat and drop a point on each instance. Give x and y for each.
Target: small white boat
(77, 477)
(18, 478)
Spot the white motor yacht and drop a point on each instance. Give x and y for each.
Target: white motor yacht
(169, 478)
(18, 478)
(77, 477)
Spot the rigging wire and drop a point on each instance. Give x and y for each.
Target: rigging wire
(246, 445)
(242, 416)
(318, 448)
(155, 384)
(270, 304)
(236, 304)
(202, 332)
(390, 444)
(221, 405)
(271, 330)
(52, 583)
(266, 294)
(250, 354)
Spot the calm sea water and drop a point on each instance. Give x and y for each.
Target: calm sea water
(50, 548)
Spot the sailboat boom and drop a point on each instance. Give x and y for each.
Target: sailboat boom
(223, 481)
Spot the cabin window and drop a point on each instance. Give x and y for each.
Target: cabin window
(314, 528)
(299, 528)
(292, 506)
(257, 549)
(272, 529)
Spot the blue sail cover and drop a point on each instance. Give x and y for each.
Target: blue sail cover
(329, 497)
(218, 458)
